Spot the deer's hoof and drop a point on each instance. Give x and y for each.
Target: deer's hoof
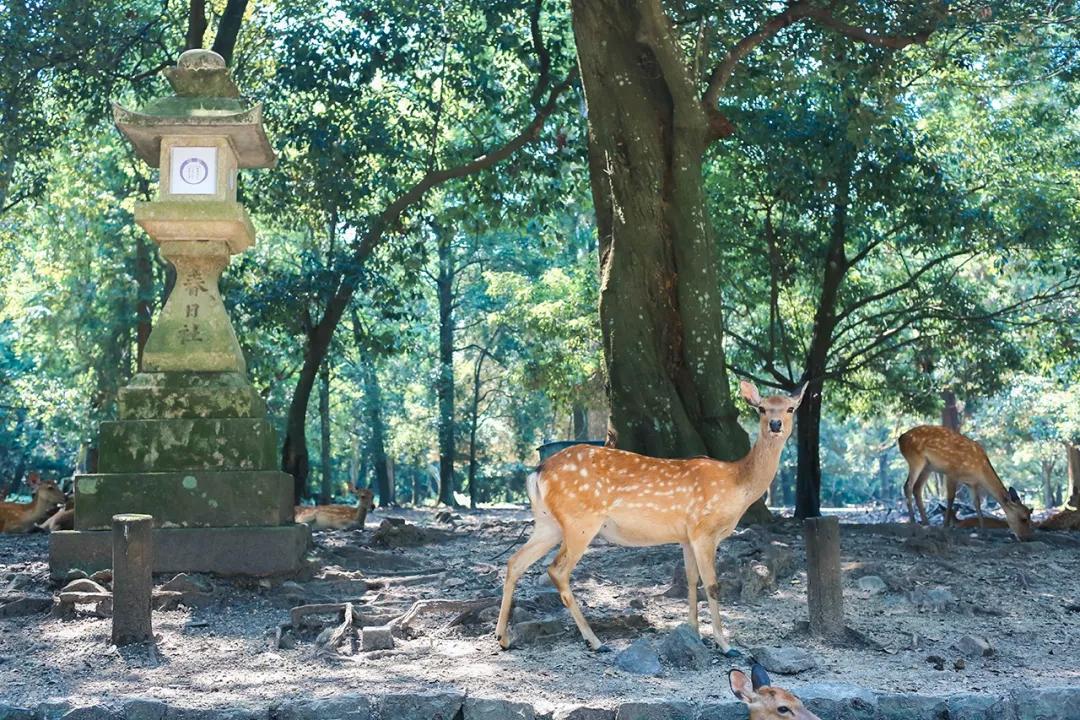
(732, 653)
(602, 649)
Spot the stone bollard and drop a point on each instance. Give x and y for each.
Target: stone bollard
(133, 583)
(824, 592)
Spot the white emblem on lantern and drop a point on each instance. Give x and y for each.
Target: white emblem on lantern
(194, 171)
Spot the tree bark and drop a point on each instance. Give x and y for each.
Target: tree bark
(660, 309)
(373, 411)
(196, 28)
(229, 29)
(1048, 483)
(444, 387)
(581, 422)
(326, 486)
(808, 427)
(1072, 451)
(950, 413)
(474, 421)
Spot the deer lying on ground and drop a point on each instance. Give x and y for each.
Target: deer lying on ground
(337, 517)
(629, 499)
(21, 517)
(962, 461)
(764, 701)
(62, 519)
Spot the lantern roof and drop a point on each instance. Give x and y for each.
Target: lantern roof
(206, 102)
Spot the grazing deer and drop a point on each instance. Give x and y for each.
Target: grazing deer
(629, 499)
(337, 517)
(764, 701)
(21, 517)
(961, 460)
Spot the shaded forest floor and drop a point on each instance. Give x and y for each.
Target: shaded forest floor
(928, 595)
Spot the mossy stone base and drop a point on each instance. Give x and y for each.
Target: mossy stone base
(146, 446)
(155, 396)
(187, 499)
(251, 551)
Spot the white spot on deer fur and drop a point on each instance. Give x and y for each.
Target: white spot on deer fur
(583, 472)
(571, 467)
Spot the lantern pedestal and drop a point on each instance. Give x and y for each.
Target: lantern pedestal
(192, 446)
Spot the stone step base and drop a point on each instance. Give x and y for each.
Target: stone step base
(195, 498)
(176, 444)
(155, 396)
(248, 551)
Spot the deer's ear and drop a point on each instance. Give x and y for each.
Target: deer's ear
(797, 395)
(741, 686)
(759, 677)
(1013, 495)
(749, 393)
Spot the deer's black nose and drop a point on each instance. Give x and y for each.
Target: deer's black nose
(775, 425)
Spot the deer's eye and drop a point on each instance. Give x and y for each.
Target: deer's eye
(761, 410)
(784, 710)
(790, 410)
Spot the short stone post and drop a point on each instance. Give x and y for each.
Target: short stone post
(824, 592)
(133, 583)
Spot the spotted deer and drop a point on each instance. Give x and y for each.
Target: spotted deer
(634, 500)
(764, 701)
(961, 460)
(337, 517)
(22, 517)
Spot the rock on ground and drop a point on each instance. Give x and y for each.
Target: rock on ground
(639, 658)
(683, 649)
(872, 584)
(784, 660)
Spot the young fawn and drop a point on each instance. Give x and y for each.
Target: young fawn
(629, 499)
(337, 517)
(764, 701)
(962, 460)
(21, 517)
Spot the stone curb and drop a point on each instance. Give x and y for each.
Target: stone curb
(830, 702)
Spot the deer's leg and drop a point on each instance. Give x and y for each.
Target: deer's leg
(950, 498)
(920, 483)
(705, 555)
(915, 467)
(545, 536)
(690, 563)
(573, 547)
(978, 506)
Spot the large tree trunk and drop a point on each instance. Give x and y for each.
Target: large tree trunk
(660, 309)
(445, 384)
(326, 486)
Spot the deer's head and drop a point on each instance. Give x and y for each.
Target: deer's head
(1018, 515)
(45, 491)
(777, 412)
(365, 498)
(764, 701)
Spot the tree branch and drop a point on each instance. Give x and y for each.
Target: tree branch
(797, 12)
(196, 28)
(229, 29)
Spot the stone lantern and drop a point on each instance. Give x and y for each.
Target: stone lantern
(192, 446)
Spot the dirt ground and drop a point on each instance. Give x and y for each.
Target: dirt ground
(935, 589)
